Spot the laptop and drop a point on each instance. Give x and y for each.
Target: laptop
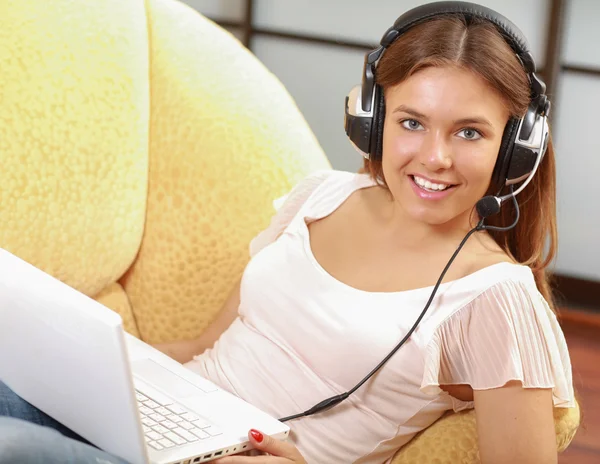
(69, 356)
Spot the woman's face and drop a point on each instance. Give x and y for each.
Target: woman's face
(443, 129)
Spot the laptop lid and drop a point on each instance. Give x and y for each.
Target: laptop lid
(65, 353)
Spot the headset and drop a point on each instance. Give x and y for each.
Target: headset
(523, 146)
(524, 140)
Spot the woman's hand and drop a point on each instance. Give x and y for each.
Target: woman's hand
(278, 452)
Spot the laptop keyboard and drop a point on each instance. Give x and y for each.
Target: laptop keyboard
(167, 424)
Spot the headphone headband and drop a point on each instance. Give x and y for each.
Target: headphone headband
(511, 33)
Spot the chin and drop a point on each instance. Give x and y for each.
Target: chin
(432, 218)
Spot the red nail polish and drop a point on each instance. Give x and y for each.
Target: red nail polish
(257, 435)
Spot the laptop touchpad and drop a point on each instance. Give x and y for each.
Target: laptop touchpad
(161, 377)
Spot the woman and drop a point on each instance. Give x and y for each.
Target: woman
(349, 261)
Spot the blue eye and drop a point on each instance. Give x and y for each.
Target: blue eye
(411, 124)
(470, 134)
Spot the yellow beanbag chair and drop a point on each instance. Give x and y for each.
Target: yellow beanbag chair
(141, 148)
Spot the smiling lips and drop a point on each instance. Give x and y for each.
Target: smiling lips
(429, 190)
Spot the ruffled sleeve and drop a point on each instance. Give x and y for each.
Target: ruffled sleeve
(506, 333)
(287, 207)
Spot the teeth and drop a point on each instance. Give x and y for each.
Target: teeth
(429, 185)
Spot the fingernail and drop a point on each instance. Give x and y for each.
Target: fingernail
(257, 435)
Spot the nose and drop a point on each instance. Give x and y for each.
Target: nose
(436, 153)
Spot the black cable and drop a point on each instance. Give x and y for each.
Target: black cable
(335, 400)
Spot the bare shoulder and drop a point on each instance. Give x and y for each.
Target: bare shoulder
(365, 201)
(484, 251)
(374, 200)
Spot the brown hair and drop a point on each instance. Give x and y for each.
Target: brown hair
(478, 46)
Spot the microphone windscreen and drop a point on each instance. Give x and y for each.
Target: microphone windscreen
(488, 206)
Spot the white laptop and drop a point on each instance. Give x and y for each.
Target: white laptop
(69, 356)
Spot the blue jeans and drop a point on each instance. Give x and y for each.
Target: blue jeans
(28, 436)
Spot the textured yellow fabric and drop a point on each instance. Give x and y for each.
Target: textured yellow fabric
(73, 136)
(115, 298)
(566, 423)
(453, 439)
(225, 139)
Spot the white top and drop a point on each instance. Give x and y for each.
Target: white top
(302, 336)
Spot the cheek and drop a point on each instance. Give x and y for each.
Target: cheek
(476, 166)
(400, 147)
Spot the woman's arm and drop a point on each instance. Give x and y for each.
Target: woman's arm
(184, 350)
(515, 425)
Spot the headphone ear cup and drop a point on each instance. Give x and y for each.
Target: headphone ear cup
(505, 153)
(378, 122)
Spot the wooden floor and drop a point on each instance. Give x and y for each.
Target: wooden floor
(582, 331)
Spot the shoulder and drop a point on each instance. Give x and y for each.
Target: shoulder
(481, 254)
(490, 289)
(502, 294)
(318, 188)
(504, 331)
(322, 186)
(487, 251)
(504, 275)
(514, 281)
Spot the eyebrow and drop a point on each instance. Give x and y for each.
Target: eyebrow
(470, 120)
